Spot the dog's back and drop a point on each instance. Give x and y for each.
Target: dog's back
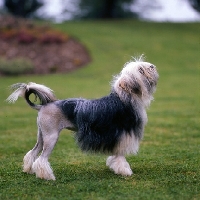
(100, 123)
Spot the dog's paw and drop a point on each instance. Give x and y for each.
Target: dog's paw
(43, 170)
(28, 162)
(124, 171)
(119, 165)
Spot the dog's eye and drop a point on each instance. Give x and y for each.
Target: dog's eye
(141, 70)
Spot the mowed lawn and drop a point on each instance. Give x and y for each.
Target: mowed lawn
(168, 163)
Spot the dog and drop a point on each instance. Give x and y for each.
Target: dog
(113, 124)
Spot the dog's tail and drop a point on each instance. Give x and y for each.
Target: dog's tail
(42, 92)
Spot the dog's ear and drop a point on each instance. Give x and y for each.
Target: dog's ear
(123, 85)
(133, 88)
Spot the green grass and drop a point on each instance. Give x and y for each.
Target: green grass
(167, 166)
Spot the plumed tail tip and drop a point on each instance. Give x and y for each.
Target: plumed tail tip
(19, 90)
(44, 93)
(38, 86)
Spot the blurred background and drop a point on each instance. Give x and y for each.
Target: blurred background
(62, 10)
(24, 46)
(14, 32)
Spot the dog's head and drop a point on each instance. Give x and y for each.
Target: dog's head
(138, 79)
(137, 75)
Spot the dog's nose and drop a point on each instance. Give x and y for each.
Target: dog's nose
(151, 67)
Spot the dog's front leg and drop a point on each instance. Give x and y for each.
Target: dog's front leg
(119, 165)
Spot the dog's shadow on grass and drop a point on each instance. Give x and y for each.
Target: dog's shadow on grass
(86, 172)
(93, 171)
(90, 171)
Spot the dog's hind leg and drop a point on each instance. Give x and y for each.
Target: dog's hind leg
(119, 165)
(41, 166)
(30, 157)
(49, 121)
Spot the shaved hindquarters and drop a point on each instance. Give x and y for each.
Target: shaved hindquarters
(50, 122)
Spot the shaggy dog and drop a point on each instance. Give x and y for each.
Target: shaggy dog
(113, 124)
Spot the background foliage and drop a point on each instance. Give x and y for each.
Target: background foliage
(104, 9)
(85, 8)
(22, 8)
(195, 4)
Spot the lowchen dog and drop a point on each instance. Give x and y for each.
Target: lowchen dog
(113, 124)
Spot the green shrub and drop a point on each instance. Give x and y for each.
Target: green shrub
(16, 66)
